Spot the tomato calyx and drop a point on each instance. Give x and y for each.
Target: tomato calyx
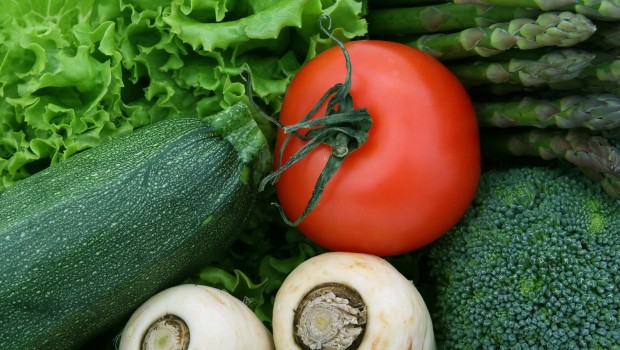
(343, 127)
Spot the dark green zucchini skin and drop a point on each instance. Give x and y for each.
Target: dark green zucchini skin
(86, 241)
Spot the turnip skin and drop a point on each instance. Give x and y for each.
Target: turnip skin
(396, 315)
(215, 320)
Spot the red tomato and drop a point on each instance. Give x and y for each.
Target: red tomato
(415, 176)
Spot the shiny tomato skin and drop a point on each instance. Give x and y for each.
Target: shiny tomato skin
(415, 176)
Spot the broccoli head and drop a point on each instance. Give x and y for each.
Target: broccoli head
(533, 264)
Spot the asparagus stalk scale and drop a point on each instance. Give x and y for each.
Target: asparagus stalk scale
(545, 5)
(539, 69)
(444, 17)
(601, 76)
(607, 36)
(576, 86)
(594, 112)
(605, 10)
(605, 69)
(555, 72)
(562, 29)
(593, 154)
(375, 4)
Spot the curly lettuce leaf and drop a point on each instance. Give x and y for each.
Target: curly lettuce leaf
(60, 85)
(75, 74)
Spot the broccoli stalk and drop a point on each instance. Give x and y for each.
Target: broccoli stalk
(533, 264)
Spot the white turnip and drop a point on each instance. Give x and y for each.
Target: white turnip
(193, 317)
(344, 301)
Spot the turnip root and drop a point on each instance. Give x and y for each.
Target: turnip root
(344, 301)
(193, 317)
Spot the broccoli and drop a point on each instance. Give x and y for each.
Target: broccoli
(533, 264)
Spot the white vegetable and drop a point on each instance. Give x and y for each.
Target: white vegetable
(194, 317)
(350, 301)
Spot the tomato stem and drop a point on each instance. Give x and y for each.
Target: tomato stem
(343, 127)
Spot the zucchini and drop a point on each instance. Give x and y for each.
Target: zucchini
(86, 241)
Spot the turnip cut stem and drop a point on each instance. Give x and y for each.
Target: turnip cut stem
(193, 317)
(341, 300)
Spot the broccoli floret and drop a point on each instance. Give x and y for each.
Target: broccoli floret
(533, 264)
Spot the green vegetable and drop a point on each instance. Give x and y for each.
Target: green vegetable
(86, 241)
(74, 74)
(561, 29)
(594, 112)
(545, 72)
(608, 10)
(443, 17)
(526, 69)
(576, 86)
(607, 36)
(595, 155)
(255, 266)
(546, 5)
(377, 4)
(554, 72)
(259, 260)
(604, 10)
(533, 264)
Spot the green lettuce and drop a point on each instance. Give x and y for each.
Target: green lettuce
(76, 73)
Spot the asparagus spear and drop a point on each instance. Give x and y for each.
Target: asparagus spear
(593, 154)
(605, 70)
(607, 36)
(601, 76)
(400, 3)
(538, 69)
(594, 112)
(560, 29)
(552, 90)
(441, 18)
(580, 72)
(545, 5)
(611, 134)
(606, 10)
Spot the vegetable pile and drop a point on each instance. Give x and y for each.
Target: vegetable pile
(532, 263)
(75, 74)
(386, 193)
(188, 314)
(546, 73)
